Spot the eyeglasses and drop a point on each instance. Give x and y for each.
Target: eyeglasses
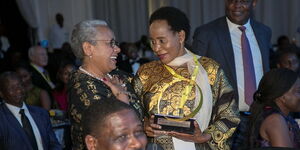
(112, 43)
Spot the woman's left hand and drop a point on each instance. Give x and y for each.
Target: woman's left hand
(197, 137)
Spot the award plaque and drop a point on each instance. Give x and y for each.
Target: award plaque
(168, 124)
(184, 123)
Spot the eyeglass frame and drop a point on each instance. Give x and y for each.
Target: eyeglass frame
(112, 43)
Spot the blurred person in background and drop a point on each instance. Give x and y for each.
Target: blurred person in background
(270, 124)
(34, 95)
(60, 92)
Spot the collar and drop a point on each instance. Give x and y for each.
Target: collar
(232, 26)
(180, 60)
(38, 68)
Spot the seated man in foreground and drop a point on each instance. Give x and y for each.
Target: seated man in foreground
(22, 126)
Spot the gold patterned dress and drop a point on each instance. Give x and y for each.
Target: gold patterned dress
(83, 90)
(150, 79)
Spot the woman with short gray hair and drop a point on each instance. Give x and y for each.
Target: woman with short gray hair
(97, 78)
(84, 31)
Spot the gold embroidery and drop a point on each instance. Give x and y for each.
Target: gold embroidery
(83, 91)
(97, 97)
(77, 85)
(79, 91)
(152, 76)
(219, 138)
(75, 114)
(211, 68)
(94, 91)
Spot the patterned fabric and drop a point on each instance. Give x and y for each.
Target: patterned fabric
(33, 97)
(82, 91)
(293, 126)
(151, 77)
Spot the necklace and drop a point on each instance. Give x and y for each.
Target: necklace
(86, 72)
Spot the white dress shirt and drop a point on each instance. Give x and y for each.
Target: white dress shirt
(58, 36)
(5, 43)
(15, 111)
(235, 34)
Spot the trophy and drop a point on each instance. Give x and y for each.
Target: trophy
(185, 126)
(181, 123)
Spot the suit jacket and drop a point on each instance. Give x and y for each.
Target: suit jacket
(213, 40)
(13, 137)
(39, 81)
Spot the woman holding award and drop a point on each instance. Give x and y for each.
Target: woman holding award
(183, 85)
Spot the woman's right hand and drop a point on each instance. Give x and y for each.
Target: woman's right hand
(152, 129)
(118, 88)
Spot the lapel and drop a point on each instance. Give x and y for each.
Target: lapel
(39, 123)
(263, 47)
(40, 79)
(14, 123)
(227, 49)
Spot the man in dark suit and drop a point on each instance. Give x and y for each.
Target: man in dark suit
(22, 126)
(226, 41)
(38, 60)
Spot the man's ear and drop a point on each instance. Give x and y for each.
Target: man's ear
(90, 142)
(181, 35)
(87, 49)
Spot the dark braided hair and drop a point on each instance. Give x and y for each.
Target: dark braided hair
(273, 84)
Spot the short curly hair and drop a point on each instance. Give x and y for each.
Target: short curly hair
(176, 19)
(95, 116)
(84, 31)
(5, 77)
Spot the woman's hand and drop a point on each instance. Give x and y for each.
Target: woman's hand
(151, 129)
(197, 137)
(118, 88)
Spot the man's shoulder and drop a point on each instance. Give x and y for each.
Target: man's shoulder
(258, 25)
(2, 109)
(208, 30)
(33, 70)
(212, 25)
(37, 110)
